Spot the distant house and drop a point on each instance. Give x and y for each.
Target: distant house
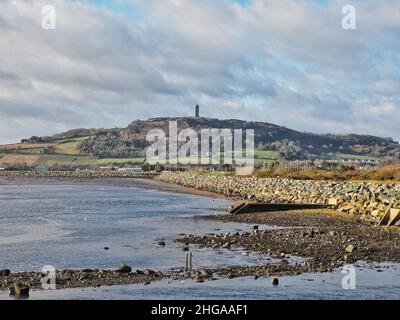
(41, 168)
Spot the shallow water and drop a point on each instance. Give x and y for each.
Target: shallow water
(67, 224)
(370, 284)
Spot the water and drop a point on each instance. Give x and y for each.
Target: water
(67, 224)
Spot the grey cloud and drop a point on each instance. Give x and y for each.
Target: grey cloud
(286, 61)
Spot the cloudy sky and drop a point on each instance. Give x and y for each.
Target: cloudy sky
(287, 62)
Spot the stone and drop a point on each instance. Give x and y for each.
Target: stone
(375, 213)
(275, 281)
(350, 248)
(12, 290)
(5, 272)
(148, 272)
(86, 276)
(21, 290)
(333, 201)
(226, 245)
(123, 268)
(161, 243)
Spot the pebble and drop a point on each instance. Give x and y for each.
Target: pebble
(123, 268)
(5, 272)
(350, 248)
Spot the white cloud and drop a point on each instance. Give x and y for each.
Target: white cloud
(287, 62)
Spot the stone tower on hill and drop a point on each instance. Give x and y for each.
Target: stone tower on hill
(197, 111)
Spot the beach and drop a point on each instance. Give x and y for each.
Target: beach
(89, 227)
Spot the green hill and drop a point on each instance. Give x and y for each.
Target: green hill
(127, 146)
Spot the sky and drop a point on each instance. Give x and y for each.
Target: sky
(287, 62)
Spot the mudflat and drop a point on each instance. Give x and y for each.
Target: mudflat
(325, 240)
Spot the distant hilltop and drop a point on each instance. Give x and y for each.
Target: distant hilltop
(82, 147)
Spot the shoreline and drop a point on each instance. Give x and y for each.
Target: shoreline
(145, 182)
(371, 202)
(308, 242)
(325, 240)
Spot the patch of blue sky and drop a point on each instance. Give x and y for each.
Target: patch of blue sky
(118, 6)
(243, 3)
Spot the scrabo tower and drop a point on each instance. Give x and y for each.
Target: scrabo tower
(197, 111)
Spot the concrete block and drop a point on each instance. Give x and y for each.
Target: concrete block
(394, 216)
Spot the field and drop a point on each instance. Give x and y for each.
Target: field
(19, 159)
(265, 156)
(69, 146)
(61, 153)
(20, 146)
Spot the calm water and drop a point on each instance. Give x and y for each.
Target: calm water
(67, 224)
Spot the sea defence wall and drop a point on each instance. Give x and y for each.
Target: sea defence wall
(370, 201)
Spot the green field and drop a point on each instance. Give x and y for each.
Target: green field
(64, 160)
(69, 146)
(30, 151)
(65, 152)
(265, 156)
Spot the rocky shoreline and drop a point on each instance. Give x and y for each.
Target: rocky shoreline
(309, 241)
(369, 201)
(326, 241)
(80, 278)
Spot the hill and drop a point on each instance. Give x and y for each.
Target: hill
(94, 147)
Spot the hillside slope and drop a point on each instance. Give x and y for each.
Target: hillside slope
(94, 147)
(290, 144)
